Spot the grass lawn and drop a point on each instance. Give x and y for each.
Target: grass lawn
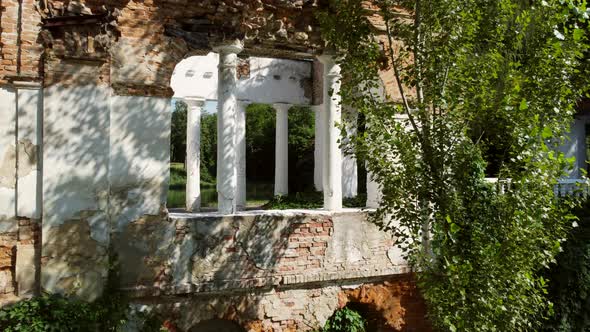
(257, 194)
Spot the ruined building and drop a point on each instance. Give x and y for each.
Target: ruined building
(84, 168)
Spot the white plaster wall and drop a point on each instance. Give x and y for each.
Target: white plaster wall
(575, 146)
(75, 155)
(270, 81)
(139, 156)
(30, 108)
(276, 81)
(7, 160)
(75, 189)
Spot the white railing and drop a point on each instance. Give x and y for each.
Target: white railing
(565, 187)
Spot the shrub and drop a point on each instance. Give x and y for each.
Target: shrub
(345, 320)
(57, 313)
(310, 200)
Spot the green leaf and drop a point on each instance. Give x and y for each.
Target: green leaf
(524, 105)
(547, 133)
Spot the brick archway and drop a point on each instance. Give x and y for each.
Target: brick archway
(391, 306)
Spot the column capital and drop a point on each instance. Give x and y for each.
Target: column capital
(194, 101)
(331, 67)
(229, 47)
(282, 106)
(30, 85)
(328, 57)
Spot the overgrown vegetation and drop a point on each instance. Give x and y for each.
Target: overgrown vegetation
(569, 287)
(311, 200)
(345, 320)
(260, 153)
(460, 66)
(57, 313)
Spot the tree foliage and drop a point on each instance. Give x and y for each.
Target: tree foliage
(208, 147)
(471, 75)
(260, 145)
(301, 149)
(260, 142)
(178, 132)
(569, 288)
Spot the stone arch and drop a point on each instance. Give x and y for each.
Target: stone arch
(392, 306)
(216, 325)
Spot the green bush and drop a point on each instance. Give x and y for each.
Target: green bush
(345, 320)
(60, 314)
(301, 200)
(310, 200)
(57, 313)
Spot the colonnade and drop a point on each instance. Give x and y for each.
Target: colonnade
(331, 172)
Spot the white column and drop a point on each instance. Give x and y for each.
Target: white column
(282, 149)
(318, 148)
(193, 153)
(241, 153)
(332, 164)
(349, 166)
(226, 134)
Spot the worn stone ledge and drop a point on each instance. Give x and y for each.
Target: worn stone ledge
(201, 216)
(265, 284)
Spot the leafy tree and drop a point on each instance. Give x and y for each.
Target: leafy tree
(467, 72)
(178, 133)
(301, 149)
(208, 148)
(260, 142)
(569, 289)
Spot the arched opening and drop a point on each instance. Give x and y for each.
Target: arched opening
(257, 137)
(268, 133)
(217, 325)
(375, 322)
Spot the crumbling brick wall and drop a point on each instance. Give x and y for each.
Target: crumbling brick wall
(145, 39)
(19, 253)
(20, 51)
(395, 306)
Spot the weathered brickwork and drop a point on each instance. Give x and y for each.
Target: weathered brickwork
(267, 271)
(19, 253)
(20, 52)
(391, 304)
(205, 254)
(142, 41)
(7, 258)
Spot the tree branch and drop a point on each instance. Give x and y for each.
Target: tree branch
(399, 81)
